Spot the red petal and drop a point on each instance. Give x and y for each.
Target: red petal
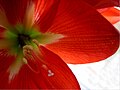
(37, 75)
(62, 78)
(111, 14)
(14, 9)
(88, 36)
(5, 61)
(45, 13)
(102, 3)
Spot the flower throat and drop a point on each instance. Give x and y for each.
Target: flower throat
(22, 39)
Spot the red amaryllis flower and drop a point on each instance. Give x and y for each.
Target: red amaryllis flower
(31, 30)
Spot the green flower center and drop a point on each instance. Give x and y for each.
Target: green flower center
(22, 41)
(18, 36)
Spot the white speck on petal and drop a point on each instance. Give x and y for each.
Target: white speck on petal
(50, 73)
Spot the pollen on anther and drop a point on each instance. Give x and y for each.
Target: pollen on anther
(27, 50)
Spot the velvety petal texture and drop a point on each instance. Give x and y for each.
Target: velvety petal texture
(111, 14)
(88, 36)
(43, 71)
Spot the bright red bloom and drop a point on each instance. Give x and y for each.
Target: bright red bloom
(71, 29)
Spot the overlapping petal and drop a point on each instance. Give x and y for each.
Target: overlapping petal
(111, 14)
(43, 71)
(103, 3)
(88, 36)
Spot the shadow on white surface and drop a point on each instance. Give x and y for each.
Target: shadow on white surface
(103, 75)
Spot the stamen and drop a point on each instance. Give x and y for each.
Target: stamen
(36, 42)
(27, 50)
(37, 49)
(28, 47)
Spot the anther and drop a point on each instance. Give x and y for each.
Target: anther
(28, 47)
(36, 42)
(27, 50)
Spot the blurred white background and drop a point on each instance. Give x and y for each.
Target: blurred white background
(103, 75)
